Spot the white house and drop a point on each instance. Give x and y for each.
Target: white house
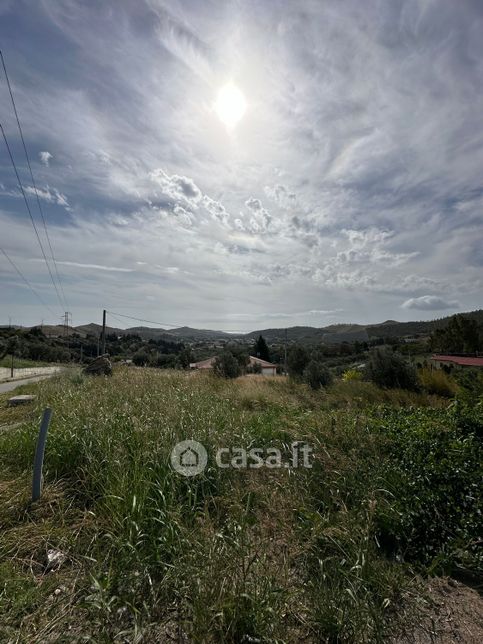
(267, 368)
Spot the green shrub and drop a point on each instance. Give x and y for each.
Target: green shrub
(297, 360)
(351, 374)
(226, 365)
(389, 369)
(437, 381)
(317, 375)
(432, 473)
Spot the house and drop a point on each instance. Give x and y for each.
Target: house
(267, 368)
(203, 364)
(440, 361)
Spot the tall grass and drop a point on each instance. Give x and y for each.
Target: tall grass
(229, 556)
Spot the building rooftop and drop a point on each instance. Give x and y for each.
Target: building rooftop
(464, 361)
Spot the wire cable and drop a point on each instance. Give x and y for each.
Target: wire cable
(33, 180)
(130, 317)
(31, 217)
(27, 282)
(164, 324)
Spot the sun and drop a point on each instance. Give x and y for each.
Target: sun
(230, 105)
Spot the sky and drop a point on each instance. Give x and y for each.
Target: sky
(351, 190)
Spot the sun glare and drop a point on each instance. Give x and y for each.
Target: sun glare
(230, 105)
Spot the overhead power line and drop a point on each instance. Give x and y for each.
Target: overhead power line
(30, 214)
(130, 317)
(164, 324)
(33, 180)
(27, 282)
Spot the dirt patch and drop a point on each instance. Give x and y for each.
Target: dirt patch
(451, 612)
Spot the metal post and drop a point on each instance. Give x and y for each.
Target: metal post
(104, 332)
(39, 455)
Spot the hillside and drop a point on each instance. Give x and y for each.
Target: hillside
(331, 334)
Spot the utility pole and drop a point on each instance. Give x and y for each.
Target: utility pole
(67, 315)
(104, 331)
(285, 359)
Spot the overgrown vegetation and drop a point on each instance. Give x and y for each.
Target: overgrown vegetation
(320, 554)
(387, 368)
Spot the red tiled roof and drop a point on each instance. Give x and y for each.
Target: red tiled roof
(262, 363)
(208, 363)
(464, 361)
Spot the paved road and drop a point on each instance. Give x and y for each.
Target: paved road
(10, 386)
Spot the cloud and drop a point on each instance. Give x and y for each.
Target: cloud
(97, 267)
(326, 191)
(51, 195)
(429, 303)
(259, 219)
(45, 157)
(176, 188)
(281, 195)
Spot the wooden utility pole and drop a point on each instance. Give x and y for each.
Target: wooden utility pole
(285, 359)
(104, 331)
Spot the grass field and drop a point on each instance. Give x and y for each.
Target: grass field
(331, 553)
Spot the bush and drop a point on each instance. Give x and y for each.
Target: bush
(390, 370)
(226, 365)
(437, 382)
(140, 358)
(297, 360)
(351, 374)
(431, 474)
(317, 375)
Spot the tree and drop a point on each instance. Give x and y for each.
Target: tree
(261, 349)
(317, 375)
(297, 360)
(240, 353)
(140, 358)
(461, 335)
(390, 370)
(186, 357)
(226, 365)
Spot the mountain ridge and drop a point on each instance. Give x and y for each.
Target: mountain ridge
(333, 333)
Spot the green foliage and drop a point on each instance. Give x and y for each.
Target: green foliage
(317, 375)
(351, 374)
(461, 335)
(389, 369)
(438, 382)
(185, 357)
(433, 474)
(140, 358)
(297, 360)
(261, 350)
(316, 554)
(226, 365)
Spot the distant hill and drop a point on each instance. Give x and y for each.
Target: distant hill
(331, 334)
